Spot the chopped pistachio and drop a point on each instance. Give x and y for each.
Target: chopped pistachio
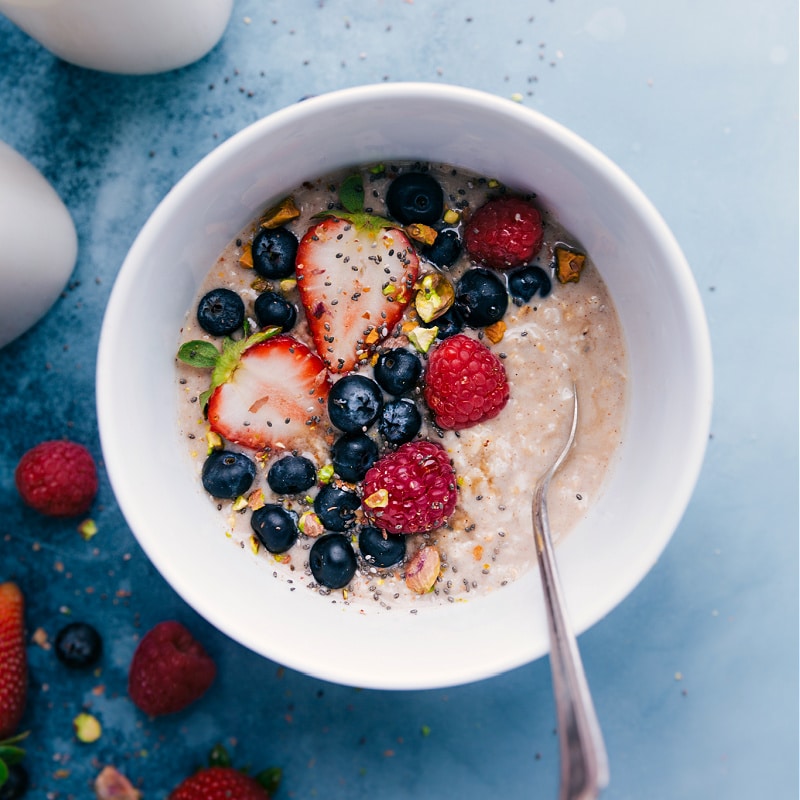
(111, 784)
(287, 284)
(421, 233)
(378, 169)
(435, 294)
(87, 529)
(246, 258)
(423, 338)
(254, 545)
(495, 332)
(493, 183)
(325, 474)
(239, 503)
(310, 524)
(255, 500)
(569, 265)
(283, 212)
(451, 216)
(378, 499)
(87, 728)
(214, 442)
(260, 285)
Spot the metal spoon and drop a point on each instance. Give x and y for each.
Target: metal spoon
(584, 763)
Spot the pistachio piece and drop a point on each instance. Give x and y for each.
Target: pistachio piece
(87, 728)
(423, 338)
(246, 258)
(310, 525)
(496, 332)
(451, 216)
(87, 529)
(569, 264)
(423, 569)
(111, 784)
(435, 295)
(423, 234)
(283, 212)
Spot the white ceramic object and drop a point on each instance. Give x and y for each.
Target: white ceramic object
(38, 244)
(133, 37)
(601, 561)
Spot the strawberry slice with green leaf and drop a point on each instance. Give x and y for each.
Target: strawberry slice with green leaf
(355, 274)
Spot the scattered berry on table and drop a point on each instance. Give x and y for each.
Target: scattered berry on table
(525, 282)
(481, 297)
(354, 403)
(398, 370)
(291, 474)
(78, 645)
(220, 312)
(504, 232)
(275, 527)
(273, 309)
(465, 383)
(13, 659)
(412, 490)
(399, 422)
(381, 549)
(415, 197)
(445, 250)
(57, 478)
(332, 560)
(275, 253)
(336, 507)
(219, 783)
(16, 784)
(169, 670)
(227, 474)
(352, 454)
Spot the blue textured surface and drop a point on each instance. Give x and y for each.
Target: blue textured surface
(695, 675)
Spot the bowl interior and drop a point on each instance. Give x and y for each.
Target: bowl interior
(603, 558)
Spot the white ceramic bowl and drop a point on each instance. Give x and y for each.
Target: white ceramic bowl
(600, 562)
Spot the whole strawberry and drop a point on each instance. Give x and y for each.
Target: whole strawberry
(465, 383)
(411, 490)
(504, 233)
(13, 659)
(57, 478)
(169, 670)
(219, 783)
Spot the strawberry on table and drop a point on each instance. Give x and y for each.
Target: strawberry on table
(13, 659)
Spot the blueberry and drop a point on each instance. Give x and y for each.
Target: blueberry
(449, 324)
(332, 560)
(78, 645)
(481, 297)
(352, 455)
(17, 783)
(336, 507)
(354, 403)
(380, 548)
(275, 527)
(397, 370)
(445, 250)
(274, 253)
(227, 474)
(220, 312)
(415, 197)
(274, 309)
(399, 421)
(525, 282)
(291, 475)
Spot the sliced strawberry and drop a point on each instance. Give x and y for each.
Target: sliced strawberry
(355, 274)
(276, 392)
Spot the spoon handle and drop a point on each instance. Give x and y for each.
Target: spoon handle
(584, 763)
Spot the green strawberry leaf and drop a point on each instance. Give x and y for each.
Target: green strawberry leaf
(232, 351)
(269, 780)
(351, 194)
(3, 772)
(199, 354)
(11, 755)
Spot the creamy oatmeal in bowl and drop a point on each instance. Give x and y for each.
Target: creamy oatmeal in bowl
(445, 591)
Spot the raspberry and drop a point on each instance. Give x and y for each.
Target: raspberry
(504, 233)
(170, 670)
(57, 478)
(465, 383)
(412, 490)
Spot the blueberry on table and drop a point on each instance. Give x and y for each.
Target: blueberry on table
(227, 474)
(445, 250)
(272, 308)
(398, 370)
(415, 197)
(352, 455)
(220, 312)
(399, 422)
(381, 549)
(336, 507)
(332, 560)
(274, 253)
(354, 403)
(481, 297)
(291, 475)
(275, 527)
(78, 645)
(524, 283)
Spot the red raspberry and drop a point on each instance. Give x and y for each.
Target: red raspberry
(412, 490)
(465, 383)
(57, 478)
(170, 670)
(504, 233)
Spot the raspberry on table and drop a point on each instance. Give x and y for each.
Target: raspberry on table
(504, 232)
(465, 383)
(57, 478)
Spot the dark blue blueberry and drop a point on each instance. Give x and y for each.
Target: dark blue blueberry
(16, 784)
(354, 403)
(399, 421)
(397, 371)
(380, 548)
(220, 312)
(332, 560)
(524, 283)
(449, 324)
(275, 527)
(481, 297)
(445, 250)
(291, 475)
(78, 645)
(274, 253)
(415, 197)
(352, 455)
(274, 309)
(336, 507)
(228, 474)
